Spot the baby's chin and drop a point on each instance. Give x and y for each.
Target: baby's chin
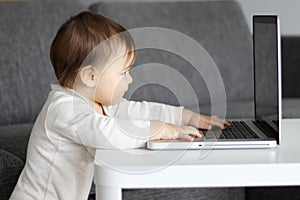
(114, 102)
(117, 101)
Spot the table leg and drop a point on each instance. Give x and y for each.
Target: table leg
(111, 193)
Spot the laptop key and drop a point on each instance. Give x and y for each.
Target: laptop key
(210, 135)
(218, 132)
(276, 122)
(249, 129)
(265, 128)
(227, 134)
(222, 136)
(235, 132)
(242, 129)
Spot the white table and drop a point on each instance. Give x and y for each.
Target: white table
(141, 168)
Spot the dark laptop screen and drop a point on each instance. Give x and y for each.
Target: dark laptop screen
(265, 45)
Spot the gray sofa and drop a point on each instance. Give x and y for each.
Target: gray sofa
(28, 27)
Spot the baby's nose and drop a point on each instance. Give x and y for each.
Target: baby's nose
(130, 79)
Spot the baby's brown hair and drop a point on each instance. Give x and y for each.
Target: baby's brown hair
(78, 37)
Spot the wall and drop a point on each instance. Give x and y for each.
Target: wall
(287, 10)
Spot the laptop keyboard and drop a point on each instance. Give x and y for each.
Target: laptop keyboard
(237, 130)
(265, 128)
(276, 122)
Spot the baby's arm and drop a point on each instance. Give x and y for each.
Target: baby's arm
(146, 110)
(179, 122)
(78, 122)
(165, 113)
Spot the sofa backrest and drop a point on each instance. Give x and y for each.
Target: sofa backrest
(219, 26)
(27, 29)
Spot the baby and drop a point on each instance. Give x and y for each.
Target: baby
(92, 57)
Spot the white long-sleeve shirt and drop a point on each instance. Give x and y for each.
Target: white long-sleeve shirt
(67, 131)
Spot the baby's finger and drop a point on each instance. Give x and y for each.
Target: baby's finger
(227, 123)
(205, 125)
(186, 137)
(216, 121)
(223, 121)
(189, 130)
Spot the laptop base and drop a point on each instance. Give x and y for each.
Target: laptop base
(216, 144)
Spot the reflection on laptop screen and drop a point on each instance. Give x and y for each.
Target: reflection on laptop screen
(265, 67)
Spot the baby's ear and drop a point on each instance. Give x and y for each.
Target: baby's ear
(88, 75)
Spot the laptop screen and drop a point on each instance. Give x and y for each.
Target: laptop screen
(265, 46)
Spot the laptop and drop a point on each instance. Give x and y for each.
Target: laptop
(265, 130)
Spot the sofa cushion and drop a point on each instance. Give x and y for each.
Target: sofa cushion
(185, 193)
(27, 30)
(14, 139)
(274, 193)
(219, 26)
(290, 65)
(10, 169)
(291, 108)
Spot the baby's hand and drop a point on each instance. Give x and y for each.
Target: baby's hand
(165, 131)
(199, 121)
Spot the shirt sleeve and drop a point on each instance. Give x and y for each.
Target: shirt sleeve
(77, 121)
(147, 111)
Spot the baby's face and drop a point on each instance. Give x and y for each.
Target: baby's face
(114, 82)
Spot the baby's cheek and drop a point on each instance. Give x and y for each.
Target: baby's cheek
(121, 83)
(117, 88)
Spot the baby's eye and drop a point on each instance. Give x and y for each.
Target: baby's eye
(124, 73)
